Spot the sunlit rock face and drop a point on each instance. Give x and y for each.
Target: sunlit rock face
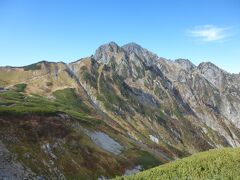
(205, 94)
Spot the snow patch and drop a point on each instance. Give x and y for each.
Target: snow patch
(105, 142)
(154, 139)
(47, 149)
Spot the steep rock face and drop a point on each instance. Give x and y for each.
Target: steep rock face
(203, 91)
(185, 64)
(145, 55)
(169, 108)
(141, 85)
(108, 52)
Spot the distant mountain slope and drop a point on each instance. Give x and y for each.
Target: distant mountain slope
(214, 164)
(151, 110)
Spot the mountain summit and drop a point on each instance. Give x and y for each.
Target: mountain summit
(123, 106)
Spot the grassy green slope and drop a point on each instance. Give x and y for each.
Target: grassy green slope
(15, 101)
(213, 164)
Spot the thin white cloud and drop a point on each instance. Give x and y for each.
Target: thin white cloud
(209, 33)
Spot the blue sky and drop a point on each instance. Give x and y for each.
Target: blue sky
(66, 30)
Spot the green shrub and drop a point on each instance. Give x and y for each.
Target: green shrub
(20, 87)
(49, 83)
(146, 160)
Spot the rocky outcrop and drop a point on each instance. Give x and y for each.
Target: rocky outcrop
(10, 168)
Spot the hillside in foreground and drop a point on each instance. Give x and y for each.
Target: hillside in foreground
(213, 164)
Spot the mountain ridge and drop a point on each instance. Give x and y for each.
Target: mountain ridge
(133, 44)
(146, 105)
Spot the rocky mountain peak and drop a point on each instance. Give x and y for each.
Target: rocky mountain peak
(148, 57)
(111, 51)
(106, 51)
(208, 66)
(185, 63)
(132, 48)
(109, 47)
(212, 73)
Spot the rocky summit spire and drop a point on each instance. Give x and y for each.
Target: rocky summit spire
(133, 48)
(185, 63)
(144, 54)
(105, 52)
